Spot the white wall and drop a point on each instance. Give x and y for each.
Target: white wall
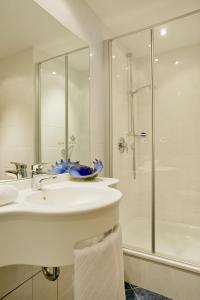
(17, 110)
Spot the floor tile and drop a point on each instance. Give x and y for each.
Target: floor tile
(136, 293)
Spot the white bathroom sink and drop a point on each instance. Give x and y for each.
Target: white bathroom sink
(67, 200)
(43, 227)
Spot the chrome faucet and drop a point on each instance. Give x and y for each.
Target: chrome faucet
(37, 169)
(20, 170)
(38, 176)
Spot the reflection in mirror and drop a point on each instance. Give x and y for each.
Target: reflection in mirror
(26, 39)
(79, 107)
(53, 109)
(64, 101)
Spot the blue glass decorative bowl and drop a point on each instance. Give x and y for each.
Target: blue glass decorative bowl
(62, 167)
(76, 170)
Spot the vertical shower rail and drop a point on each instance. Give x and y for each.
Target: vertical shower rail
(131, 111)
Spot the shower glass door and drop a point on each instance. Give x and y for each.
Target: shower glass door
(156, 137)
(132, 135)
(177, 138)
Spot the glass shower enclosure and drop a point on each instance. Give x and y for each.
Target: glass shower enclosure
(155, 148)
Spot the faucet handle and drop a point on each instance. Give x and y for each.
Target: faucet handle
(20, 169)
(38, 168)
(19, 165)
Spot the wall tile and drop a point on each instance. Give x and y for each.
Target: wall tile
(12, 276)
(65, 283)
(44, 289)
(23, 292)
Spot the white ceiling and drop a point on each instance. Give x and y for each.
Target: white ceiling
(121, 16)
(24, 24)
(180, 33)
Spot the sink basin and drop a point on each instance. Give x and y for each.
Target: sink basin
(43, 227)
(69, 200)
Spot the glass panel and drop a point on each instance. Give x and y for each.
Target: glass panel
(132, 121)
(177, 138)
(53, 108)
(65, 108)
(79, 107)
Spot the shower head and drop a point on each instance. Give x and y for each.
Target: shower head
(140, 88)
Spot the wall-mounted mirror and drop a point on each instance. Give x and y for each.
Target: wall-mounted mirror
(64, 108)
(40, 121)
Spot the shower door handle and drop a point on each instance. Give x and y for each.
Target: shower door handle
(141, 134)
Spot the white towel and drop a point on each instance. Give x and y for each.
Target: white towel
(99, 271)
(8, 194)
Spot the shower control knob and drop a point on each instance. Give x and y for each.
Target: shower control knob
(122, 145)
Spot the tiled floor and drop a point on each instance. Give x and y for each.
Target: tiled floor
(136, 293)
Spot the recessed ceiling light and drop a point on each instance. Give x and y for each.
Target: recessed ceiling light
(113, 56)
(54, 73)
(91, 54)
(149, 45)
(163, 31)
(156, 59)
(177, 62)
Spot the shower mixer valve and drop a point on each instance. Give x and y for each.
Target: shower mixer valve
(122, 145)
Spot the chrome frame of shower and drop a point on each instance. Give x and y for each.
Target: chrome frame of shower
(37, 133)
(66, 107)
(110, 116)
(163, 259)
(153, 210)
